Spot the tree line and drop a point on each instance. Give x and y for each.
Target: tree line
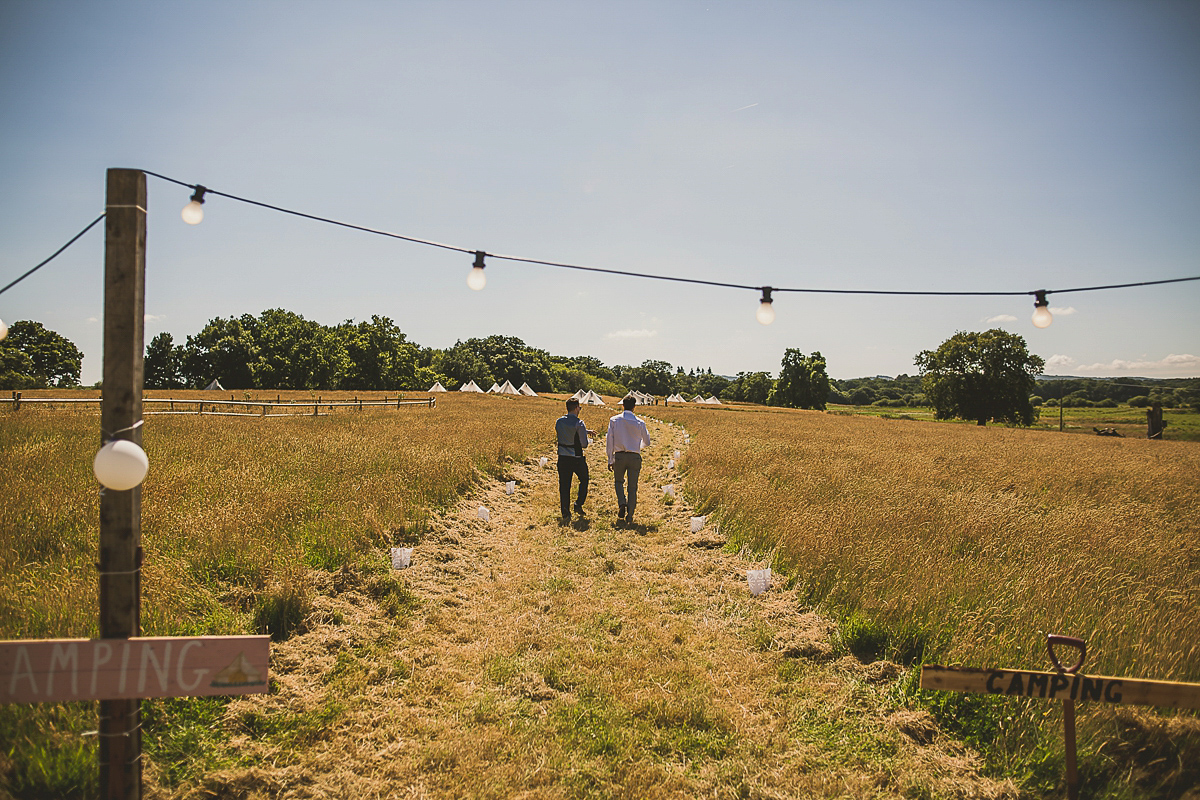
(985, 376)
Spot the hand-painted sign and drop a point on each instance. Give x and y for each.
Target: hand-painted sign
(56, 670)
(1062, 686)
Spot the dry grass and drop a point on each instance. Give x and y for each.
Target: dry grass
(518, 658)
(989, 537)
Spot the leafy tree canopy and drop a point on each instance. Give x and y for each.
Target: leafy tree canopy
(803, 381)
(34, 357)
(981, 376)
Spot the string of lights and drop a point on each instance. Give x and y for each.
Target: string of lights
(193, 214)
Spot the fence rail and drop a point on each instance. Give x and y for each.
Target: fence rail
(264, 406)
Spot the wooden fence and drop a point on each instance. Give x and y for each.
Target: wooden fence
(224, 408)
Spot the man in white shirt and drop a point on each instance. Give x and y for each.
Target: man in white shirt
(627, 435)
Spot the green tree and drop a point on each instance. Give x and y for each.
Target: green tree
(34, 357)
(163, 366)
(750, 387)
(652, 377)
(803, 381)
(378, 356)
(981, 376)
(224, 350)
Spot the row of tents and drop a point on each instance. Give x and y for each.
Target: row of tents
(678, 398)
(506, 388)
(588, 398)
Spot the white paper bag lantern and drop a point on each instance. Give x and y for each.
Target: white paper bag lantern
(483, 514)
(120, 465)
(510, 487)
(759, 580)
(542, 461)
(697, 524)
(671, 464)
(669, 490)
(677, 454)
(401, 557)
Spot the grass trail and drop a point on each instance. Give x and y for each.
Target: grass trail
(521, 658)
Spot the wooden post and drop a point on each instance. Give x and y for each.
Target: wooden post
(16, 401)
(120, 738)
(1154, 420)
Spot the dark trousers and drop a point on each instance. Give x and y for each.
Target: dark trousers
(568, 466)
(626, 465)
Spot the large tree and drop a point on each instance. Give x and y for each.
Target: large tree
(163, 366)
(981, 376)
(34, 357)
(803, 381)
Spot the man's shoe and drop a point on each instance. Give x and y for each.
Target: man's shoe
(565, 519)
(621, 512)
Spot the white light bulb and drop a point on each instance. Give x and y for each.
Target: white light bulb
(765, 313)
(3, 330)
(120, 465)
(1042, 317)
(193, 213)
(477, 280)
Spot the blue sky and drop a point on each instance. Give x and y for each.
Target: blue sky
(983, 146)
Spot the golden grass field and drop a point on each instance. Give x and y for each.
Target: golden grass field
(521, 657)
(989, 537)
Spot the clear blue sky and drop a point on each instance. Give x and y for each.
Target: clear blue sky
(990, 146)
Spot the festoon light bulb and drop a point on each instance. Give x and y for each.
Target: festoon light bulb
(3, 330)
(766, 311)
(477, 280)
(120, 465)
(193, 212)
(1041, 310)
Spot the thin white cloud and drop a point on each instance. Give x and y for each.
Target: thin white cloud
(1001, 318)
(641, 333)
(1058, 362)
(1172, 366)
(1062, 312)
(743, 108)
(154, 317)
(92, 319)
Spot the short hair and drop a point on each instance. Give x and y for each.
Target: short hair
(572, 404)
(629, 402)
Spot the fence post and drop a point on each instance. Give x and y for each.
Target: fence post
(120, 740)
(16, 401)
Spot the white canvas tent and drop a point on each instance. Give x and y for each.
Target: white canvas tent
(215, 385)
(495, 388)
(527, 391)
(470, 386)
(713, 401)
(579, 395)
(677, 398)
(698, 399)
(507, 388)
(591, 399)
(437, 387)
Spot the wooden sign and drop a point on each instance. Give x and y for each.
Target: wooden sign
(57, 670)
(1061, 686)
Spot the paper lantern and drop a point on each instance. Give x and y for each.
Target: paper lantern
(401, 557)
(483, 514)
(697, 524)
(510, 487)
(759, 580)
(669, 490)
(120, 465)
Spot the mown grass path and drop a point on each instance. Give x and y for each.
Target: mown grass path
(522, 658)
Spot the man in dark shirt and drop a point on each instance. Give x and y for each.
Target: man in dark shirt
(572, 439)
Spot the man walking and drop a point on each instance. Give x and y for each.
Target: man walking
(627, 435)
(572, 439)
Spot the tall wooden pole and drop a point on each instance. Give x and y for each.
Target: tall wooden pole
(121, 512)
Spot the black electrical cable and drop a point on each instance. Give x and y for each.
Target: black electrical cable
(56, 253)
(673, 278)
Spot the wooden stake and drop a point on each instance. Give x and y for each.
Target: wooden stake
(121, 512)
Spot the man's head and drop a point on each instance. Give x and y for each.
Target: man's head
(629, 402)
(572, 406)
